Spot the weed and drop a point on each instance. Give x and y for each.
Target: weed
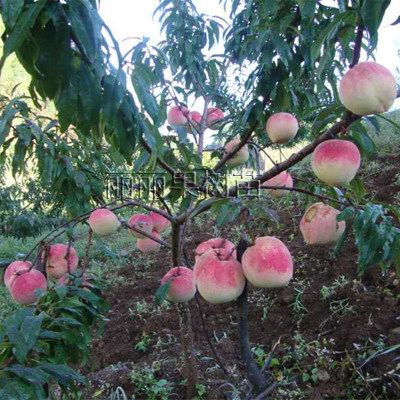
(145, 382)
(143, 345)
(298, 306)
(328, 291)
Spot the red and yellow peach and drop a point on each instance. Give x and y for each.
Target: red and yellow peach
(283, 179)
(57, 263)
(160, 223)
(14, 269)
(23, 287)
(195, 118)
(178, 116)
(142, 222)
(319, 225)
(336, 161)
(103, 222)
(368, 88)
(148, 245)
(215, 243)
(268, 263)
(214, 116)
(282, 127)
(218, 276)
(241, 157)
(182, 287)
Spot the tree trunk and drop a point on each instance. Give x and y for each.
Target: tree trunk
(254, 375)
(189, 357)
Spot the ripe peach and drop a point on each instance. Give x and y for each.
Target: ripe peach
(178, 116)
(57, 264)
(214, 115)
(336, 162)
(149, 245)
(160, 223)
(140, 221)
(218, 276)
(241, 157)
(368, 88)
(15, 268)
(215, 243)
(183, 287)
(319, 225)
(195, 118)
(283, 179)
(103, 222)
(23, 287)
(268, 263)
(282, 127)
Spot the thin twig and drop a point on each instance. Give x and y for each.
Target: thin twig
(308, 192)
(148, 235)
(206, 335)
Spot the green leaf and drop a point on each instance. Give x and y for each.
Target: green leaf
(161, 293)
(21, 29)
(346, 214)
(307, 9)
(33, 375)
(61, 373)
(83, 25)
(372, 12)
(10, 12)
(397, 21)
(15, 389)
(142, 160)
(357, 186)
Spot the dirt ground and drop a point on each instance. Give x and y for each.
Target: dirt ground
(325, 337)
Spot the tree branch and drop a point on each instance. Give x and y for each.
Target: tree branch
(232, 153)
(305, 191)
(148, 235)
(357, 45)
(343, 124)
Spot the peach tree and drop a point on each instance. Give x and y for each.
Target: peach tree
(276, 74)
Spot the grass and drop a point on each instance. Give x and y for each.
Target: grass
(388, 139)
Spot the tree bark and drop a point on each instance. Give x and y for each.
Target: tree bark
(189, 357)
(254, 375)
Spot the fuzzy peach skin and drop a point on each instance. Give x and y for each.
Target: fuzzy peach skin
(213, 116)
(218, 276)
(215, 243)
(282, 127)
(14, 269)
(143, 222)
(336, 161)
(176, 116)
(149, 245)
(103, 222)
(368, 88)
(268, 263)
(195, 118)
(160, 223)
(57, 264)
(241, 157)
(319, 225)
(23, 287)
(183, 287)
(283, 179)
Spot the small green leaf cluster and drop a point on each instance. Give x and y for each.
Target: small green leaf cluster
(38, 344)
(377, 239)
